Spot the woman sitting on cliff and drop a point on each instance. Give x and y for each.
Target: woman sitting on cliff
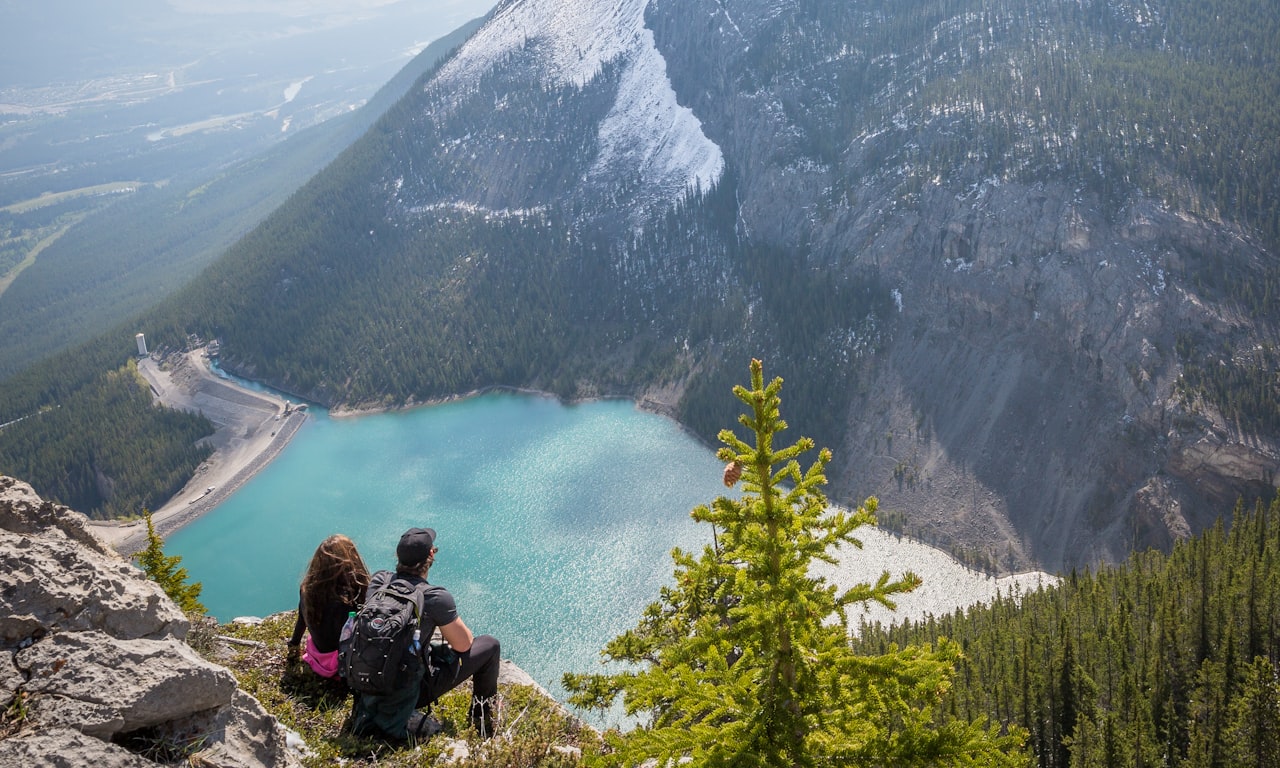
(333, 586)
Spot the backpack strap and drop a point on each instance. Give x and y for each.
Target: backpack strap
(379, 580)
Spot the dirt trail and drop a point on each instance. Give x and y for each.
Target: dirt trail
(250, 429)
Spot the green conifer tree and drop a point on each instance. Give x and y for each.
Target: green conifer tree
(1254, 735)
(164, 570)
(745, 660)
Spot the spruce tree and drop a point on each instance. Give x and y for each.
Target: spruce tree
(745, 660)
(164, 570)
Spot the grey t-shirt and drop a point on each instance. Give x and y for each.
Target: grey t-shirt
(438, 606)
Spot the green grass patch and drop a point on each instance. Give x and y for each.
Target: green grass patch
(533, 730)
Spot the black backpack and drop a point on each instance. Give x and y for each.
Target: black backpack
(377, 656)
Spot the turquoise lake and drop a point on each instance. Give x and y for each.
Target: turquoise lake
(555, 523)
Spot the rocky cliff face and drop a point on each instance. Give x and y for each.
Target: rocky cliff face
(94, 669)
(1029, 391)
(1024, 402)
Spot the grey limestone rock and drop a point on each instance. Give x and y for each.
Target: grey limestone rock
(58, 576)
(105, 686)
(10, 678)
(95, 651)
(22, 511)
(241, 733)
(66, 748)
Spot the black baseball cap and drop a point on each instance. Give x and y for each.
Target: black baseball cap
(415, 545)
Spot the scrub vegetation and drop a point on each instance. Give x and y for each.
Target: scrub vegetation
(533, 729)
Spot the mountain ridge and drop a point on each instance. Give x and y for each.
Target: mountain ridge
(1003, 279)
(908, 233)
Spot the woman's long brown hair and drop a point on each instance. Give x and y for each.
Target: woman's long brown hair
(336, 572)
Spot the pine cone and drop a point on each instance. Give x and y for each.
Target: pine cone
(732, 472)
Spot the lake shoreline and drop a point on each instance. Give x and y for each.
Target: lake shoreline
(243, 416)
(267, 422)
(646, 404)
(251, 428)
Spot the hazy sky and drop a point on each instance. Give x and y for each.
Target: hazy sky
(282, 7)
(60, 41)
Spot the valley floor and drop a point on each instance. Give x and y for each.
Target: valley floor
(251, 428)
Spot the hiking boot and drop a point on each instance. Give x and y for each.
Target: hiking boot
(422, 727)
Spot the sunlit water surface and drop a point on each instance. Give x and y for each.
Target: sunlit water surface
(555, 522)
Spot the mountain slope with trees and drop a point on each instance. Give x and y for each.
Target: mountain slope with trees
(118, 257)
(1035, 264)
(89, 434)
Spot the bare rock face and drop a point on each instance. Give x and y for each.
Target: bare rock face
(110, 686)
(93, 662)
(1029, 394)
(86, 593)
(1032, 400)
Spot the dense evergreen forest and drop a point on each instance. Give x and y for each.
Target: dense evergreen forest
(1167, 660)
(1173, 97)
(93, 440)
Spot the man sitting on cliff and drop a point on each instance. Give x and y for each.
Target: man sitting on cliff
(434, 671)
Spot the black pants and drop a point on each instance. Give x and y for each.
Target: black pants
(479, 664)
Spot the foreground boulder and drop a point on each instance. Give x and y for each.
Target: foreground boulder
(94, 669)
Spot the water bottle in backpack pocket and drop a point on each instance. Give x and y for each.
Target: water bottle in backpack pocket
(344, 639)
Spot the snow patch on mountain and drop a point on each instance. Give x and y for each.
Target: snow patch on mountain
(647, 132)
(574, 37)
